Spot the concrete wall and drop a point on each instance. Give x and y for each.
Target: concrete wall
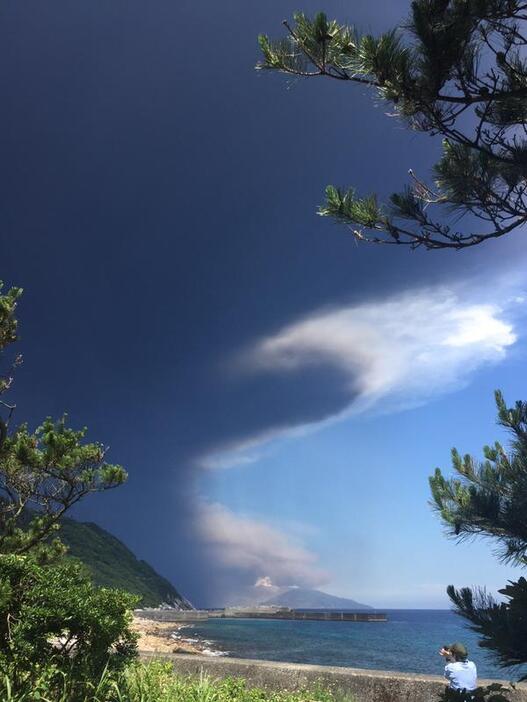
(364, 685)
(172, 615)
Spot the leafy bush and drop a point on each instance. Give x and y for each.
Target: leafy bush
(57, 630)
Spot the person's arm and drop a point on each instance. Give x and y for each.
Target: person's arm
(448, 672)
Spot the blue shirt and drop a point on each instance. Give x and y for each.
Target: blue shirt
(461, 675)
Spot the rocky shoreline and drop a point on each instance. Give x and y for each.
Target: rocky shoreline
(169, 637)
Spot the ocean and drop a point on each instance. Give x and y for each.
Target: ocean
(408, 642)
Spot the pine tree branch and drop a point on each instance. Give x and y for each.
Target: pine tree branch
(438, 82)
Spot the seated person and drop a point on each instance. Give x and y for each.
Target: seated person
(459, 671)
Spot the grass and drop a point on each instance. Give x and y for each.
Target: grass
(156, 682)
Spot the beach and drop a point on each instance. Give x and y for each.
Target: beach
(169, 637)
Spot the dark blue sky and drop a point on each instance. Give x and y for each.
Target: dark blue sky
(158, 206)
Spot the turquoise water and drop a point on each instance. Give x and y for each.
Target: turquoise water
(409, 641)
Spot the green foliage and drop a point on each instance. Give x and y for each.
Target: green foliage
(8, 326)
(320, 43)
(315, 40)
(457, 69)
(489, 499)
(56, 626)
(156, 682)
(112, 564)
(406, 205)
(58, 632)
(501, 625)
(445, 35)
(346, 207)
(8, 335)
(47, 470)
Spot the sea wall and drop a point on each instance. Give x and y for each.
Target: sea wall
(176, 615)
(172, 615)
(363, 685)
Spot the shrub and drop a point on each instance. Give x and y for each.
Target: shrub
(57, 630)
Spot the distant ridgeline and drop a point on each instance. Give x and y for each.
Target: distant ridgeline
(112, 564)
(304, 598)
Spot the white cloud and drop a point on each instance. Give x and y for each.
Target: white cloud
(253, 546)
(394, 353)
(264, 582)
(410, 347)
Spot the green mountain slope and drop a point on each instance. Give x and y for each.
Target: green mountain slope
(112, 564)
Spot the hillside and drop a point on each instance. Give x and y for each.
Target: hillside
(112, 564)
(303, 598)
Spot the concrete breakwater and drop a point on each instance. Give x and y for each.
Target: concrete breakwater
(363, 685)
(173, 615)
(306, 614)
